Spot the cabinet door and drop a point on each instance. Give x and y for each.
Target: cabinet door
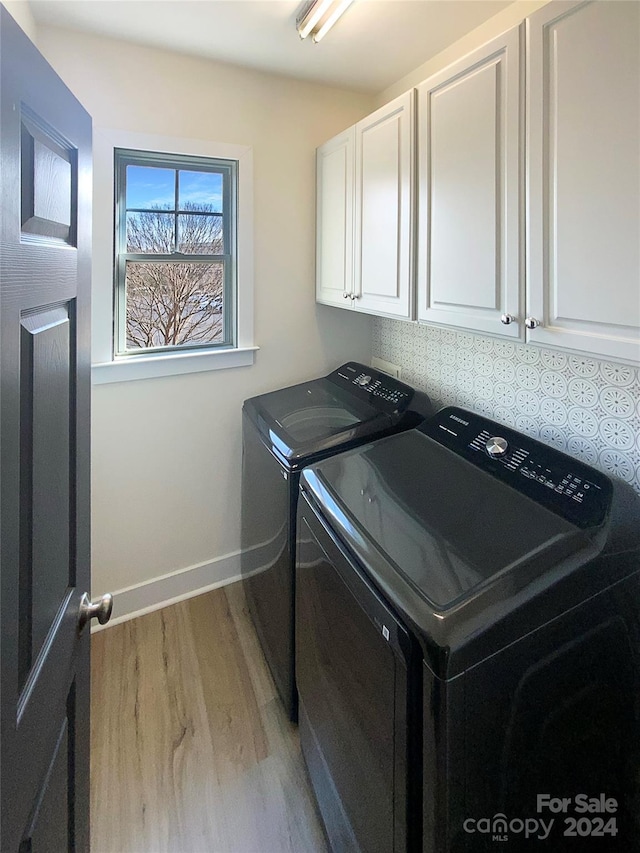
(469, 166)
(384, 209)
(583, 257)
(334, 252)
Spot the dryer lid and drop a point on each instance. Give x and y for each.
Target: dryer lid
(454, 548)
(445, 526)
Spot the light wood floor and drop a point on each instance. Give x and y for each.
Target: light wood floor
(191, 750)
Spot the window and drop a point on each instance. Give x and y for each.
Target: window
(176, 266)
(111, 360)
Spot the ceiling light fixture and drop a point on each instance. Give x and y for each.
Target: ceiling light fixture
(318, 16)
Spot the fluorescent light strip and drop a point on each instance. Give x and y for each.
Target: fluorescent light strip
(333, 17)
(313, 17)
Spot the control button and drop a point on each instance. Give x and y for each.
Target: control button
(496, 447)
(363, 380)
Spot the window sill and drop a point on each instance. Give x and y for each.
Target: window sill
(129, 368)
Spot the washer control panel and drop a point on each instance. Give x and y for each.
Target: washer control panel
(382, 391)
(563, 484)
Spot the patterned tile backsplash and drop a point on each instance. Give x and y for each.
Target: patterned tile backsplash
(586, 407)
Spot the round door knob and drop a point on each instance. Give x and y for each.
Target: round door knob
(100, 610)
(507, 319)
(497, 446)
(345, 295)
(531, 323)
(353, 296)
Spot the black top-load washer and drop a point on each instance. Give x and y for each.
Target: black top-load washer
(468, 644)
(282, 432)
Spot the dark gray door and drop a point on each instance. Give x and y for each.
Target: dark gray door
(44, 453)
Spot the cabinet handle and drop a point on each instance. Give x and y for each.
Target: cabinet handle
(531, 323)
(345, 295)
(507, 319)
(353, 296)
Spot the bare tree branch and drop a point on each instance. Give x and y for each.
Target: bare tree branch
(170, 303)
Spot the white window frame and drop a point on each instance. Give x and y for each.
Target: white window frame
(108, 367)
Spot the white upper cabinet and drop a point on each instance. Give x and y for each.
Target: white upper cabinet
(470, 202)
(334, 250)
(583, 172)
(365, 205)
(384, 209)
(527, 210)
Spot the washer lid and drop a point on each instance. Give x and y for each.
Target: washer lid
(455, 549)
(310, 418)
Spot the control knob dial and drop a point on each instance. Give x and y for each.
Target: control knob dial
(364, 380)
(496, 446)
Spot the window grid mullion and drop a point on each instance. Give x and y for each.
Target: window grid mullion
(121, 307)
(120, 296)
(226, 205)
(170, 212)
(175, 215)
(177, 257)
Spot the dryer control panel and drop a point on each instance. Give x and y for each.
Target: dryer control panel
(380, 390)
(564, 485)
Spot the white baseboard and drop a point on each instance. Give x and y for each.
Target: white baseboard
(168, 589)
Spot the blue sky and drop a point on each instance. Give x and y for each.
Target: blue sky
(149, 186)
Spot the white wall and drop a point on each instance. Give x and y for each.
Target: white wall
(500, 23)
(20, 11)
(166, 452)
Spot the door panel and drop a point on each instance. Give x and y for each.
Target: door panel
(383, 215)
(45, 456)
(334, 252)
(583, 251)
(469, 162)
(461, 112)
(44, 445)
(49, 830)
(48, 179)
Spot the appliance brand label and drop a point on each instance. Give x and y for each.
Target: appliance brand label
(459, 420)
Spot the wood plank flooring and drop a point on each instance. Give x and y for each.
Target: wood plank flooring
(191, 750)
